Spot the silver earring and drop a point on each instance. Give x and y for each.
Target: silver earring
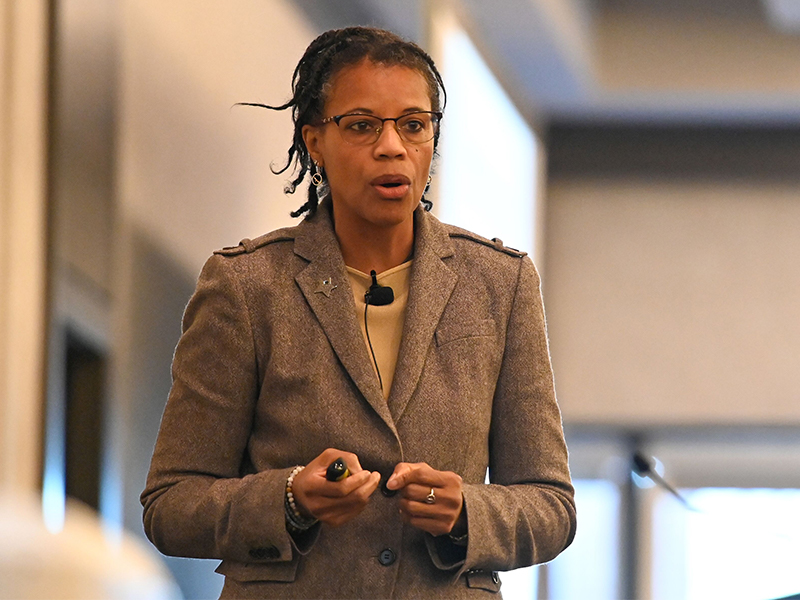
(428, 184)
(316, 177)
(319, 182)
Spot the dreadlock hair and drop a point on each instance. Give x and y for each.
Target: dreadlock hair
(323, 59)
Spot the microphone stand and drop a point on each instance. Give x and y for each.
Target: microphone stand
(645, 467)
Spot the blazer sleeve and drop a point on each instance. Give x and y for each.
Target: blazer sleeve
(199, 500)
(526, 515)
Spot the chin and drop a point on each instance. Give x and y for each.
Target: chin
(394, 212)
(384, 221)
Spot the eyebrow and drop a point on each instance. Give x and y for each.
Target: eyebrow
(367, 111)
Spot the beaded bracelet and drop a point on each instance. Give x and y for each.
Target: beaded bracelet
(295, 520)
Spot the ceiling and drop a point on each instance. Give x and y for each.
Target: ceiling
(721, 62)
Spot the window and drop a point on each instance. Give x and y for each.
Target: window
(588, 568)
(736, 543)
(487, 169)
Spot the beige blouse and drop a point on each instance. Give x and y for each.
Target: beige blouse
(384, 323)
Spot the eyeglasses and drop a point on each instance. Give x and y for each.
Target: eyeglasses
(362, 130)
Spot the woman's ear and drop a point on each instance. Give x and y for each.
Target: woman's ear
(311, 138)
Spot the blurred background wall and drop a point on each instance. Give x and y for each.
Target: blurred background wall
(647, 155)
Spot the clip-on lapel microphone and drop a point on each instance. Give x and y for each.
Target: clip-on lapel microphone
(377, 294)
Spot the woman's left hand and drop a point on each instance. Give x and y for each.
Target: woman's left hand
(431, 500)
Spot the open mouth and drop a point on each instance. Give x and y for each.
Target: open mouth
(392, 186)
(391, 181)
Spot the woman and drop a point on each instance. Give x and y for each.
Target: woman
(293, 356)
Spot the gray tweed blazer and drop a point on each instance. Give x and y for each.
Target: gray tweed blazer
(272, 368)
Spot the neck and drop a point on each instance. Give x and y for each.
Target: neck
(379, 248)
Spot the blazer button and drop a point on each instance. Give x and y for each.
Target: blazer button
(269, 552)
(387, 557)
(386, 491)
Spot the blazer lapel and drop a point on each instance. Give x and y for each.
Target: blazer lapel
(431, 285)
(325, 285)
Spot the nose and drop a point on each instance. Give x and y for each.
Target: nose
(389, 142)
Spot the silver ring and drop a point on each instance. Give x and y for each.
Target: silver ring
(430, 498)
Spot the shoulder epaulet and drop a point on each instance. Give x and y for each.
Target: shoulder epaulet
(246, 246)
(494, 243)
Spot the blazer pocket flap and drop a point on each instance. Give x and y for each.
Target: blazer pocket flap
(483, 580)
(457, 331)
(274, 571)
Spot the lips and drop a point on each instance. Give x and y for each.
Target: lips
(391, 186)
(391, 180)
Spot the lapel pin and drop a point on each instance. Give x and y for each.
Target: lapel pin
(326, 286)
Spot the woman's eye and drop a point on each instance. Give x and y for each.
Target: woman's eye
(361, 126)
(414, 125)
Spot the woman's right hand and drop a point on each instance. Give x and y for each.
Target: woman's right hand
(333, 502)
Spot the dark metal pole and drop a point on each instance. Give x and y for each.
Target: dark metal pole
(630, 515)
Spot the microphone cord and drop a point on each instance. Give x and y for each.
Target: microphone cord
(369, 342)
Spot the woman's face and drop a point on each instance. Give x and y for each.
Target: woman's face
(377, 185)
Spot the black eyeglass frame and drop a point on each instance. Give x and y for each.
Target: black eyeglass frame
(435, 113)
